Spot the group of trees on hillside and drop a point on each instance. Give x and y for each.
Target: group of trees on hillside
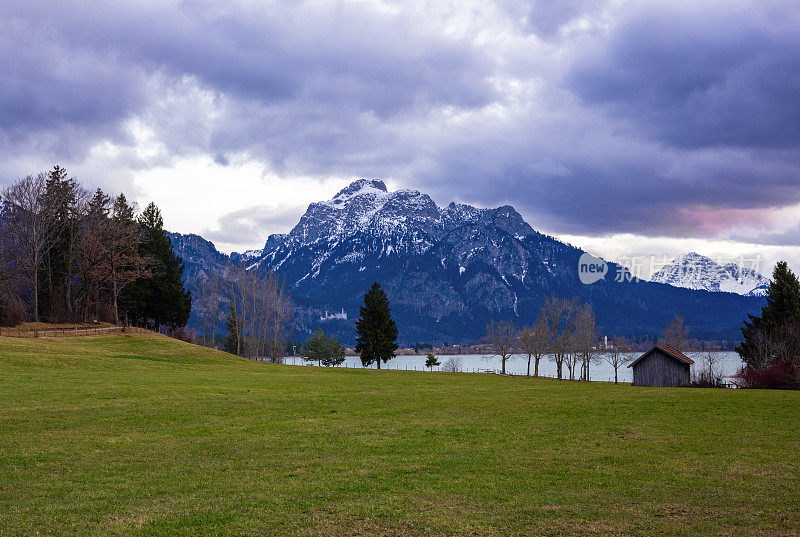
(67, 255)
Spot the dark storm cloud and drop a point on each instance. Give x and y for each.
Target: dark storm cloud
(57, 98)
(674, 118)
(344, 54)
(687, 125)
(701, 74)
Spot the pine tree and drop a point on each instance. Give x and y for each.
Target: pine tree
(431, 361)
(781, 311)
(314, 348)
(233, 341)
(61, 196)
(334, 352)
(377, 331)
(160, 299)
(324, 349)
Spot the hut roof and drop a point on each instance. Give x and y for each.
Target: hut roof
(672, 352)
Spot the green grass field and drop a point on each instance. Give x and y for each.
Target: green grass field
(145, 435)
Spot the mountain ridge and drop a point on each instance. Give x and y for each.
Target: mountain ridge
(450, 270)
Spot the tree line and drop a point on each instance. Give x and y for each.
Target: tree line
(565, 331)
(68, 255)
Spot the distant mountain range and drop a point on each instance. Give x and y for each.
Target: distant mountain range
(449, 270)
(695, 271)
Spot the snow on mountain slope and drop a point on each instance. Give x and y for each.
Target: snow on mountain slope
(365, 220)
(449, 270)
(695, 271)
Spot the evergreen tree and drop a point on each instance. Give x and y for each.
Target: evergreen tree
(334, 352)
(314, 348)
(160, 299)
(233, 341)
(324, 349)
(61, 197)
(781, 311)
(431, 361)
(377, 331)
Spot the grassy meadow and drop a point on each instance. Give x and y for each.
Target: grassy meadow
(144, 435)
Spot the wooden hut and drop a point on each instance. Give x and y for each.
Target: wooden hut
(661, 366)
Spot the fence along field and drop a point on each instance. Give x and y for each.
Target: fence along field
(70, 331)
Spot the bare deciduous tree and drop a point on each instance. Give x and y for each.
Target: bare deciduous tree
(94, 254)
(585, 338)
(707, 370)
(452, 365)
(559, 317)
(571, 359)
(263, 309)
(676, 334)
(501, 338)
(124, 262)
(534, 341)
(206, 291)
(31, 227)
(616, 356)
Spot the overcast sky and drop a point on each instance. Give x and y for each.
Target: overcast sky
(627, 128)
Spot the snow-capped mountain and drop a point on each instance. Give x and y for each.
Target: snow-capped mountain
(695, 271)
(365, 221)
(449, 270)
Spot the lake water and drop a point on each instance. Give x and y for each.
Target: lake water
(472, 363)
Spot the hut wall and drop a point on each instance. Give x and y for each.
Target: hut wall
(658, 369)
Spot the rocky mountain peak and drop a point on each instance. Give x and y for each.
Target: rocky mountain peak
(696, 271)
(360, 187)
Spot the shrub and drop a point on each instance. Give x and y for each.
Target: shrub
(706, 380)
(183, 334)
(12, 313)
(778, 376)
(707, 371)
(452, 365)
